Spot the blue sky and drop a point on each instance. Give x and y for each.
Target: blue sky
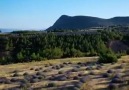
(39, 14)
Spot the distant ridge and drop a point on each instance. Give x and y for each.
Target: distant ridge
(84, 22)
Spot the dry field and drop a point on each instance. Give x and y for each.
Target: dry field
(66, 74)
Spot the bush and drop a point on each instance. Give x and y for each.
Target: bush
(80, 74)
(113, 86)
(84, 79)
(15, 71)
(51, 85)
(78, 85)
(25, 74)
(52, 53)
(61, 65)
(106, 75)
(14, 80)
(41, 77)
(31, 68)
(75, 78)
(34, 80)
(24, 85)
(16, 75)
(107, 58)
(39, 73)
(4, 80)
(37, 69)
(110, 71)
(60, 72)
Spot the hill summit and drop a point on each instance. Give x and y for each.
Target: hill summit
(84, 22)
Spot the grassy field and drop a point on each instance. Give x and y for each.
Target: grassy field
(71, 71)
(5, 69)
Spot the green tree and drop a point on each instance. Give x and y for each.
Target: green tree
(107, 58)
(52, 53)
(20, 57)
(33, 56)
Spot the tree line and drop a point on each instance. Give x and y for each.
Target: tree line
(26, 48)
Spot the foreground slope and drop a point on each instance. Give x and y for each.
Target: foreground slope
(66, 74)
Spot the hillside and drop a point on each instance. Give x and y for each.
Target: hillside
(84, 22)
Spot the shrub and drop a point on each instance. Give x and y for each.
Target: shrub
(15, 71)
(89, 68)
(92, 73)
(99, 67)
(4, 80)
(113, 86)
(78, 66)
(84, 79)
(39, 73)
(24, 81)
(25, 74)
(75, 78)
(69, 62)
(34, 80)
(13, 80)
(107, 58)
(75, 88)
(78, 85)
(57, 67)
(118, 75)
(28, 77)
(60, 72)
(7, 82)
(52, 53)
(61, 65)
(24, 85)
(16, 75)
(106, 75)
(79, 63)
(46, 65)
(46, 70)
(37, 69)
(53, 67)
(80, 74)
(51, 85)
(65, 63)
(110, 71)
(31, 68)
(60, 78)
(74, 70)
(41, 77)
(117, 80)
(40, 68)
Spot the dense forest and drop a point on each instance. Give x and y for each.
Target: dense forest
(28, 46)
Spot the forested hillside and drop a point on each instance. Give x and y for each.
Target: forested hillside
(85, 22)
(25, 47)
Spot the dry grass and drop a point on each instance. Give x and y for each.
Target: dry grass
(124, 59)
(6, 69)
(97, 83)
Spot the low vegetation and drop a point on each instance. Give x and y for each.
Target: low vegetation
(74, 75)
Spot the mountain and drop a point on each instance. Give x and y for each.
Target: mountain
(84, 22)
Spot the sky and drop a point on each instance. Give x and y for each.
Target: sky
(40, 14)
